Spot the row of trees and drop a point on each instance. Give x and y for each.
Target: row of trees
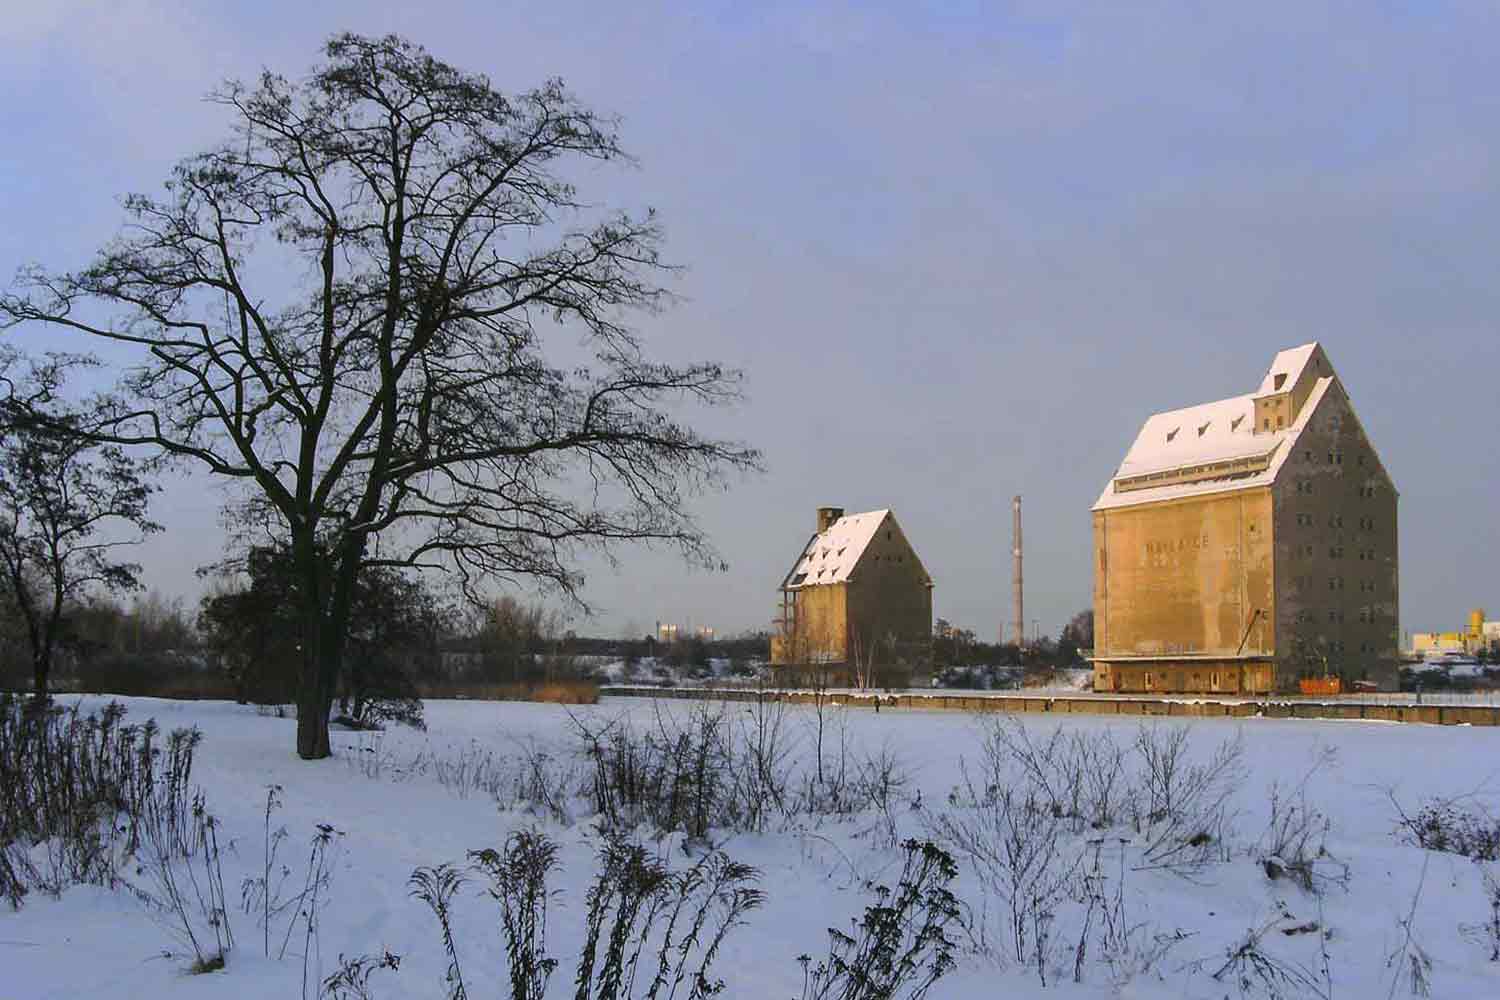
(954, 647)
(345, 311)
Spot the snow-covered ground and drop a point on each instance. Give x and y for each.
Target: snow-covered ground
(1398, 898)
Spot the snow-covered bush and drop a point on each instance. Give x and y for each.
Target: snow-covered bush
(1452, 827)
(179, 876)
(649, 932)
(709, 770)
(1032, 818)
(1294, 844)
(900, 947)
(84, 791)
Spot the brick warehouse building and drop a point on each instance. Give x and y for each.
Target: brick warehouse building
(856, 606)
(1248, 542)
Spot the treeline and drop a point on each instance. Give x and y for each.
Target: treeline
(407, 640)
(955, 647)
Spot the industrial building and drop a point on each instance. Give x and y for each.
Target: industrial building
(1246, 543)
(1481, 636)
(856, 606)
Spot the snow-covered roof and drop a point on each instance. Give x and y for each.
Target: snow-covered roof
(1290, 363)
(1227, 455)
(1210, 432)
(832, 554)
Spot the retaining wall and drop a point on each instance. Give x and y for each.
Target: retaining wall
(1082, 704)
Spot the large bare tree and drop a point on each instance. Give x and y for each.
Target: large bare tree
(345, 308)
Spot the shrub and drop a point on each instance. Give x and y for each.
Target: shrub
(703, 772)
(1035, 810)
(1445, 825)
(518, 882)
(635, 906)
(182, 882)
(91, 789)
(900, 947)
(1293, 845)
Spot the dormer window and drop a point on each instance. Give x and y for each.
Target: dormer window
(1279, 381)
(1172, 434)
(1203, 428)
(1234, 424)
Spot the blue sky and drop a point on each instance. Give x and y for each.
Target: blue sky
(961, 250)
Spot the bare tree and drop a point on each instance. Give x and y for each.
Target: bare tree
(863, 649)
(66, 504)
(394, 404)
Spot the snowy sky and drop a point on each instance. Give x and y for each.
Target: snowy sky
(962, 251)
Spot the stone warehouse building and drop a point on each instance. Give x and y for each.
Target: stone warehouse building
(856, 606)
(1248, 542)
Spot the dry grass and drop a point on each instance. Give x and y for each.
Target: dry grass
(563, 692)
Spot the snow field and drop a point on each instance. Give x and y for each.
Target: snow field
(93, 942)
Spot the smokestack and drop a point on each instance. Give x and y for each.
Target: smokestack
(1018, 610)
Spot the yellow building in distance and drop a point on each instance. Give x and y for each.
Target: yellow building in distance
(1480, 636)
(1248, 542)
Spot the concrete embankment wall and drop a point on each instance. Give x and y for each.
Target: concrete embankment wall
(1061, 704)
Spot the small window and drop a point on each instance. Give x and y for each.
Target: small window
(1171, 434)
(1280, 421)
(1203, 428)
(1280, 381)
(1267, 423)
(1234, 424)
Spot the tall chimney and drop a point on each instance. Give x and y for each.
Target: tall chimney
(1018, 610)
(826, 517)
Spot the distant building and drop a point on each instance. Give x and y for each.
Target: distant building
(857, 602)
(1247, 542)
(1480, 636)
(667, 633)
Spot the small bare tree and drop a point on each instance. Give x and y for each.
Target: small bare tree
(66, 504)
(393, 404)
(862, 647)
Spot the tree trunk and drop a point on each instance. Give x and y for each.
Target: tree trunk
(324, 633)
(312, 703)
(41, 667)
(312, 715)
